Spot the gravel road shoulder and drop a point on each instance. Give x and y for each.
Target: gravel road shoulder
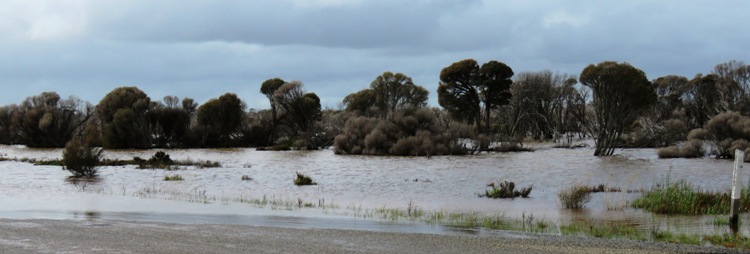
(66, 236)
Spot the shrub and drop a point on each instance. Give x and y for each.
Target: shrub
(301, 180)
(506, 189)
(574, 197)
(81, 159)
(689, 149)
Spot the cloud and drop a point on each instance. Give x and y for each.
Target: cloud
(203, 48)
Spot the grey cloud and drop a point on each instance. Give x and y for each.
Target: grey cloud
(201, 49)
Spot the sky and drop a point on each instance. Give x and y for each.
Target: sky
(202, 49)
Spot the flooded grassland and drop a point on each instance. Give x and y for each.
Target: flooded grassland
(389, 193)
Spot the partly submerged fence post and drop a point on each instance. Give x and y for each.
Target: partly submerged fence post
(739, 158)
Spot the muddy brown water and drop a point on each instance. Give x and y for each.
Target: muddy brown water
(356, 185)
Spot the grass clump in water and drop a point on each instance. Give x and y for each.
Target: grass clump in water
(302, 180)
(683, 198)
(575, 197)
(174, 177)
(506, 189)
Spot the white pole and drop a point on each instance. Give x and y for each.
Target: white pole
(739, 158)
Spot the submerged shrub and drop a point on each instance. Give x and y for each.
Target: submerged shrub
(575, 197)
(506, 189)
(689, 149)
(407, 132)
(81, 159)
(301, 180)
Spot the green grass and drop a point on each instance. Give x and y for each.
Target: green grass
(729, 240)
(683, 198)
(174, 177)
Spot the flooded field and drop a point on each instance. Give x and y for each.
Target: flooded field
(350, 188)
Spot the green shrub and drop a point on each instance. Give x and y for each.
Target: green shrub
(81, 159)
(301, 180)
(506, 189)
(575, 197)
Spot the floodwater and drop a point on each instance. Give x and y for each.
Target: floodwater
(349, 187)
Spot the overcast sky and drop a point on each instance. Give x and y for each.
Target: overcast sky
(202, 49)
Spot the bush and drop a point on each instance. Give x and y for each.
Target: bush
(689, 149)
(81, 159)
(301, 180)
(407, 132)
(506, 189)
(574, 197)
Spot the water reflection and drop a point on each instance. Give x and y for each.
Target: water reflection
(82, 182)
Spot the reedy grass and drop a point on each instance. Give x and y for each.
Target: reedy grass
(681, 197)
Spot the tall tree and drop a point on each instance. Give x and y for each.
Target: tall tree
(48, 121)
(396, 91)
(621, 92)
(465, 90)
(302, 109)
(388, 93)
(268, 88)
(220, 121)
(170, 122)
(123, 114)
(709, 95)
(542, 104)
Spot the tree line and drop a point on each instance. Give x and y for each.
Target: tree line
(482, 107)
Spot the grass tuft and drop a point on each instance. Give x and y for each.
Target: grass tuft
(575, 197)
(174, 177)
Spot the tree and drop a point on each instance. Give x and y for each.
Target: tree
(620, 93)
(302, 109)
(710, 95)
(542, 104)
(268, 88)
(397, 91)
(494, 87)
(361, 102)
(170, 122)
(123, 114)
(47, 121)
(388, 93)
(220, 121)
(465, 90)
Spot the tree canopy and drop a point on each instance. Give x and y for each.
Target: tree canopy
(123, 115)
(620, 93)
(466, 90)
